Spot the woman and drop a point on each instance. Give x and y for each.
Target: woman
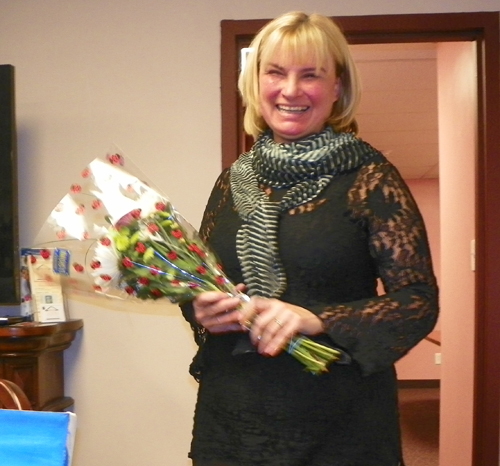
(308, 220)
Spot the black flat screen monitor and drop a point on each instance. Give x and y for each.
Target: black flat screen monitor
(9, 242)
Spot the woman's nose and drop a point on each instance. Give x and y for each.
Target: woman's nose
(291, 87)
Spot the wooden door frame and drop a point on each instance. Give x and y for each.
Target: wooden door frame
(484, 29)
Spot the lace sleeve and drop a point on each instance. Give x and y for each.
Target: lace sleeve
(216, 201)
(379, 331)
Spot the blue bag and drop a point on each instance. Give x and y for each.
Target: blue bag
(36, 438)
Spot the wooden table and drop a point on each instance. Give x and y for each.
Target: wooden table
(31, 356)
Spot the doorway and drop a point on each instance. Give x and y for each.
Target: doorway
(483, 30)
(419, 107)
(399, 115)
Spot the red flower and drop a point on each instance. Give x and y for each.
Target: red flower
(220, 280)
(143, 281)
(201, 270)
(80, 209)
(61, 234)
(160, 206)
(78, 267)
(140, 248)
(128, 218)
(127, 262)
(95, 265)
(175, 283)
(196, 249)
(96, 204)
(86, 235)
(154, 270)
(177, 234)
(97, 288)
(172, 255)
(129, 290)
(106, 278)
(105, 241)
(153, 228)
(45, 253)
(156, 292)
(33, 259)
(75, 188)
(86, 173)
(116, 159)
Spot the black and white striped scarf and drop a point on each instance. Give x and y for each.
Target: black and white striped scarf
(306, 168)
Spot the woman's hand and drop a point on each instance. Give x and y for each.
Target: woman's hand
(218, 312)
(273, 323)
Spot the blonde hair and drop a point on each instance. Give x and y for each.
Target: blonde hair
(298, 36)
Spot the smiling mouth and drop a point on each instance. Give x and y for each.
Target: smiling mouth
(292, 110)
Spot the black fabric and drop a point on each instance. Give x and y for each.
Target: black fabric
(213, 463)
(259, 411)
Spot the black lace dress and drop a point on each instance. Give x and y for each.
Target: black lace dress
(258, 411)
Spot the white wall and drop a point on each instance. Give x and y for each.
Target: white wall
(143, 74)
(457, 96)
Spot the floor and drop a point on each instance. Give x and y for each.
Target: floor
(419, 410)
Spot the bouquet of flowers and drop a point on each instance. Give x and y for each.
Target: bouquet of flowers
(116, 235)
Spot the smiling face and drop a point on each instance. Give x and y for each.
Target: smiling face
(296, 97)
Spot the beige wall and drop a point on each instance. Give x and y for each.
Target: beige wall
(143, 74)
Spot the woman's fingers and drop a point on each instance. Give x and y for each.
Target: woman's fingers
(241, 287)
(223, 323)
(217, 312)
(247, 315)
(271, 338)
(271, 325)
(274, 323)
